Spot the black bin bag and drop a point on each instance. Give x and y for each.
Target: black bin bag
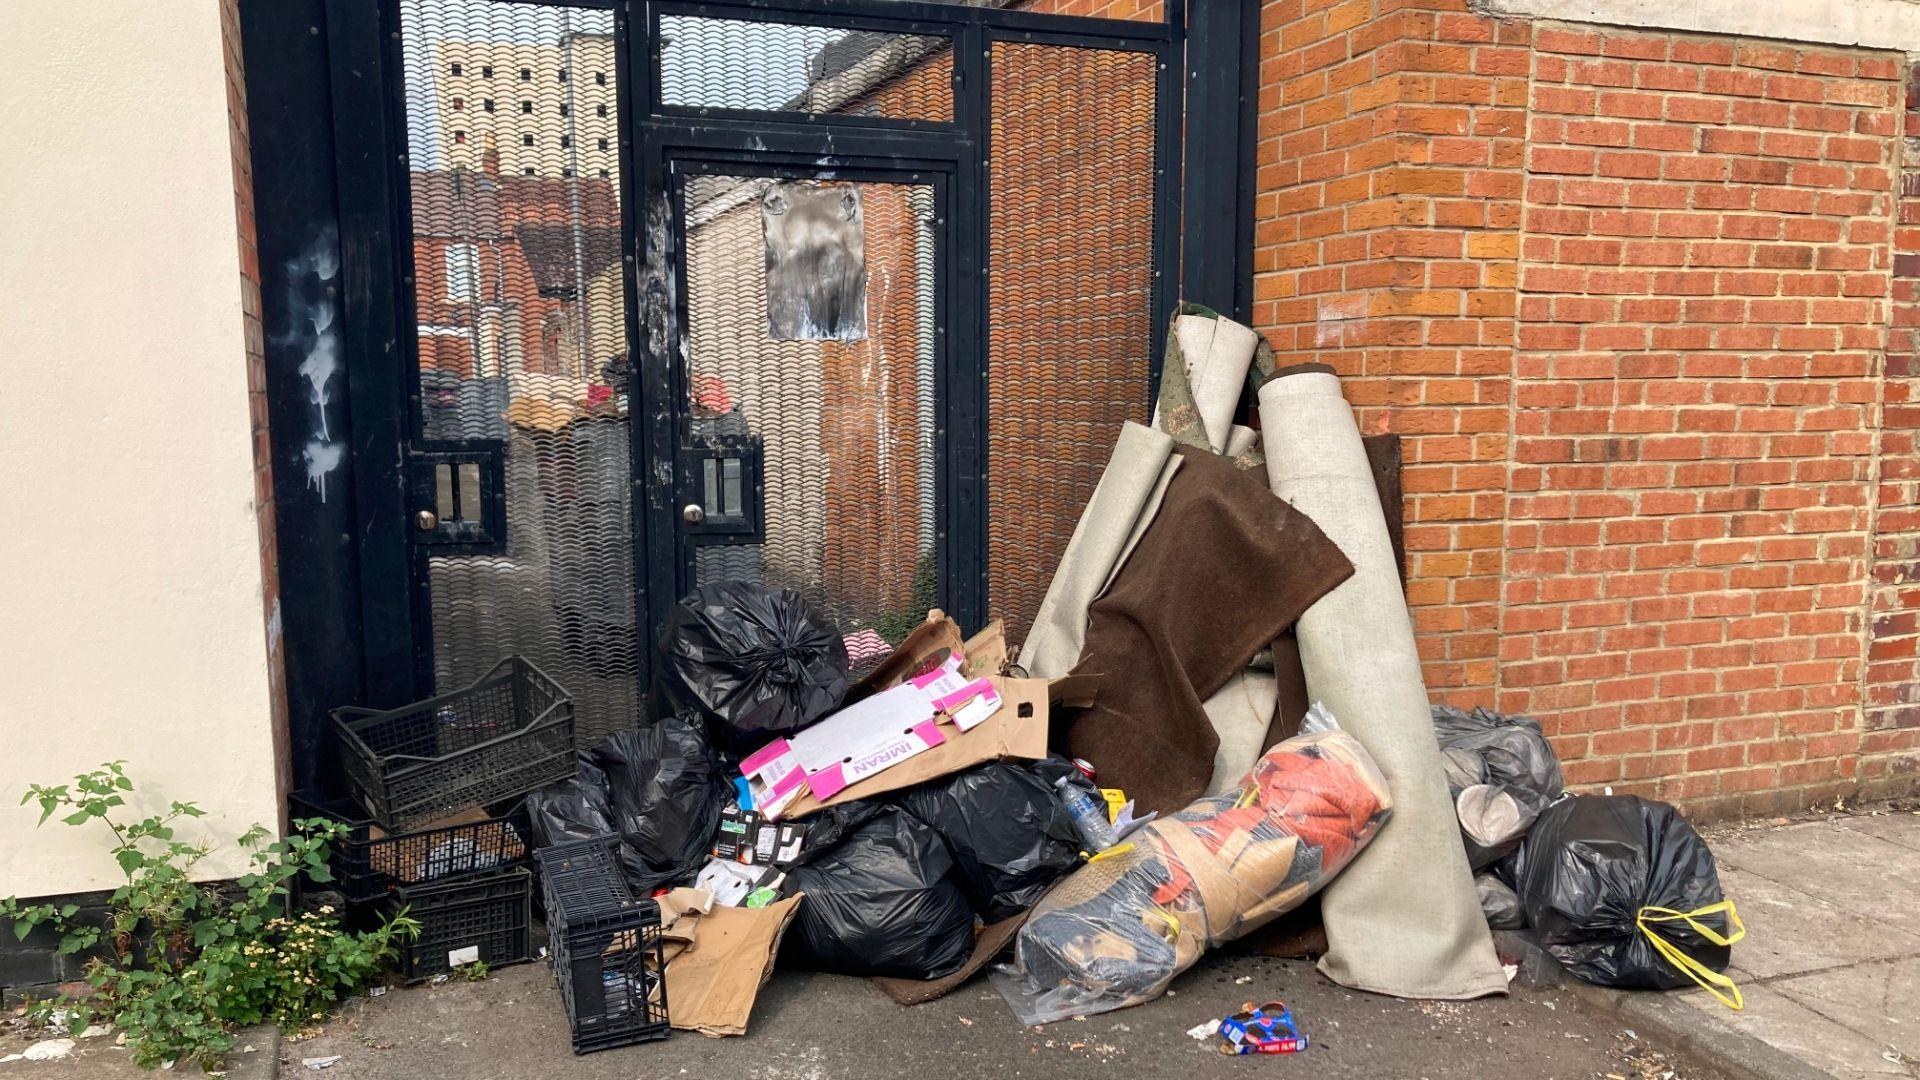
(882, 901)
(666, 791)
(756, 663)
(574, 809)
(1501, 772)
(1600, 877)
(1010, 836)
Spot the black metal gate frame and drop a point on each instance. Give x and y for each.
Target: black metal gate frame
(369, 125)
(857, 147)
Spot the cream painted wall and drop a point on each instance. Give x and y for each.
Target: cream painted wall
(130, 580)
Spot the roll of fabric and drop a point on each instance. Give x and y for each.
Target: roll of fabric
(1383, 454)
(1123, 505)
(1405, 920)
(1241, 713)
(1205, 372)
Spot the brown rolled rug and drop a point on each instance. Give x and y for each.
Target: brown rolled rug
(1224, 568)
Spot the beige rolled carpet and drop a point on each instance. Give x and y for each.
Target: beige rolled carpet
(1405, 918)
(1241, 712)
(1123, 505)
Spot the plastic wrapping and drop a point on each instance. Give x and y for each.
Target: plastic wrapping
(1009, 834)
(755, 663)
(575, 809)
(1501, 773)
(1499, 903)
(1592, 871)
(1118, 930)
(883, 901)
(666, 791)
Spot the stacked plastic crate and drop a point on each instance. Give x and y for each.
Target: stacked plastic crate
(437, 831)
(605, 946)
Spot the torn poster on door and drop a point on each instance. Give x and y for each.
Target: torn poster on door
(816, 237)
(879, 731)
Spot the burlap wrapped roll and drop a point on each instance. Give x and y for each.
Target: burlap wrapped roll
(1405, 920)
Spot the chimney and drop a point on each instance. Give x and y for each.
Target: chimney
(490, 157)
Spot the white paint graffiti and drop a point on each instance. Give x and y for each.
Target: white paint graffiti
(321, 458)
(311, 300)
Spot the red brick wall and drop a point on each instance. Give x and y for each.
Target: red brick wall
(1628, 296)
(1703, 306)
(1385, 233)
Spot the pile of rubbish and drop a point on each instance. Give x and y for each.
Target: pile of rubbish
(1144, 781)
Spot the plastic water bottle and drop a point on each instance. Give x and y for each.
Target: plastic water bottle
(1089, 816)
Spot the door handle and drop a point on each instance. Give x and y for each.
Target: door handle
(693, 513)
(425, 520)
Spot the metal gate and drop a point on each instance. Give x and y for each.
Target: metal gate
(844, 295)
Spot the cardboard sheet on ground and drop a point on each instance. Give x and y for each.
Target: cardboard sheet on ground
(711, 986)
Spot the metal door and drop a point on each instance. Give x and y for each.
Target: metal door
(519, 475)
(811, 460)
(598, 410)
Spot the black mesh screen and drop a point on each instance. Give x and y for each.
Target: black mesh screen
(1070, 332)
(785, 67)
(846, 426)
(512, 130)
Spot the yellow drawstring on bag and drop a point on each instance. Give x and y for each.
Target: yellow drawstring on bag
(1648, 918)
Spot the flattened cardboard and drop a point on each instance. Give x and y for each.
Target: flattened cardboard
(711, 987)
(932, 641)
(1017, 730)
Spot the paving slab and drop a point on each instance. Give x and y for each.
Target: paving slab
(1785, 1024)
(1899, 827)
(1879, 1001)
(1792, 932)
(1851, 870)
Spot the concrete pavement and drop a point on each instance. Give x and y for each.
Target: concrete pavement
(1830, 968)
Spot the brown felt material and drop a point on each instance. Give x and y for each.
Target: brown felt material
(1383, 454)
(1224, 568)
(989, 943)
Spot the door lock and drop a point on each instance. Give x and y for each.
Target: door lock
(693, 513)
(425, 520)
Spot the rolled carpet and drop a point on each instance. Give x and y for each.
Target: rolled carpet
(1405, 919)
(1123, 505)
(1222, 570)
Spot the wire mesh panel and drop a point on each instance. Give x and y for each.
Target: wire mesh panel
(1070, 256)
(512, 126)
(787, 67)
(845, 420)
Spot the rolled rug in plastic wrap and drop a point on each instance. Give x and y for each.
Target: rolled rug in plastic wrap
(1406, 919)
(1116, 931)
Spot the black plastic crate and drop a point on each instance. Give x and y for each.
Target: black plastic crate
(506, 735)
(487, 918)
(605, 946)
(368, 863)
